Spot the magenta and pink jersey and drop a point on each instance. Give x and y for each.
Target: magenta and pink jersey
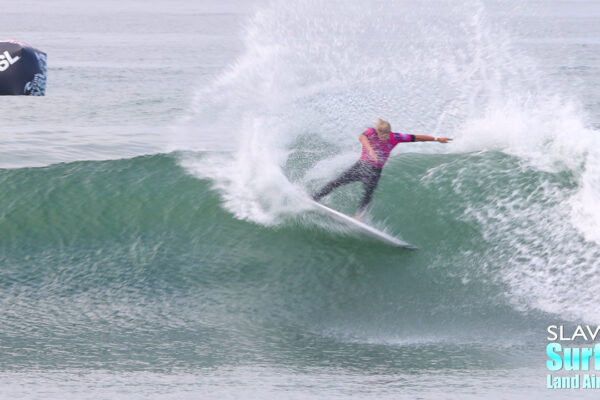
(383, 149)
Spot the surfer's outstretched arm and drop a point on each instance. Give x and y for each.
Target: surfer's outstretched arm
(425, 138)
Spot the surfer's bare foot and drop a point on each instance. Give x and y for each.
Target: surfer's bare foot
(358, 218)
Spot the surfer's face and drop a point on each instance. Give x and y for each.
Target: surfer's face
(383, 136)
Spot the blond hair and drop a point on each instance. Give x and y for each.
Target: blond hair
(383, 126)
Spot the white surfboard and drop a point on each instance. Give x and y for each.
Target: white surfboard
(362, 227)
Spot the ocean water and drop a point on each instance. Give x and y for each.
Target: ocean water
(154, 240)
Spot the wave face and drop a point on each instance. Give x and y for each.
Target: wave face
(143, 248)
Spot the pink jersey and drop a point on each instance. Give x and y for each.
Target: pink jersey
(383, 149)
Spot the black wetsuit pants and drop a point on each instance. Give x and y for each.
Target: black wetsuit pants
(360, 171)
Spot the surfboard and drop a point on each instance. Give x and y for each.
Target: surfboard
(362, 227)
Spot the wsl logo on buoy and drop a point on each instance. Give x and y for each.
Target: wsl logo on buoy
(564, 361)
(6, 60)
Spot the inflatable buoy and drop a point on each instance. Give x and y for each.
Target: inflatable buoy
(22, 69)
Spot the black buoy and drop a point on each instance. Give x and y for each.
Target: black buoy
(22, 69)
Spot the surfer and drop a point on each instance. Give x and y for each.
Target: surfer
(377, 144)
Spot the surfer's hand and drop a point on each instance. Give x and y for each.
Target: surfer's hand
(373, 155)
(444, 139)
